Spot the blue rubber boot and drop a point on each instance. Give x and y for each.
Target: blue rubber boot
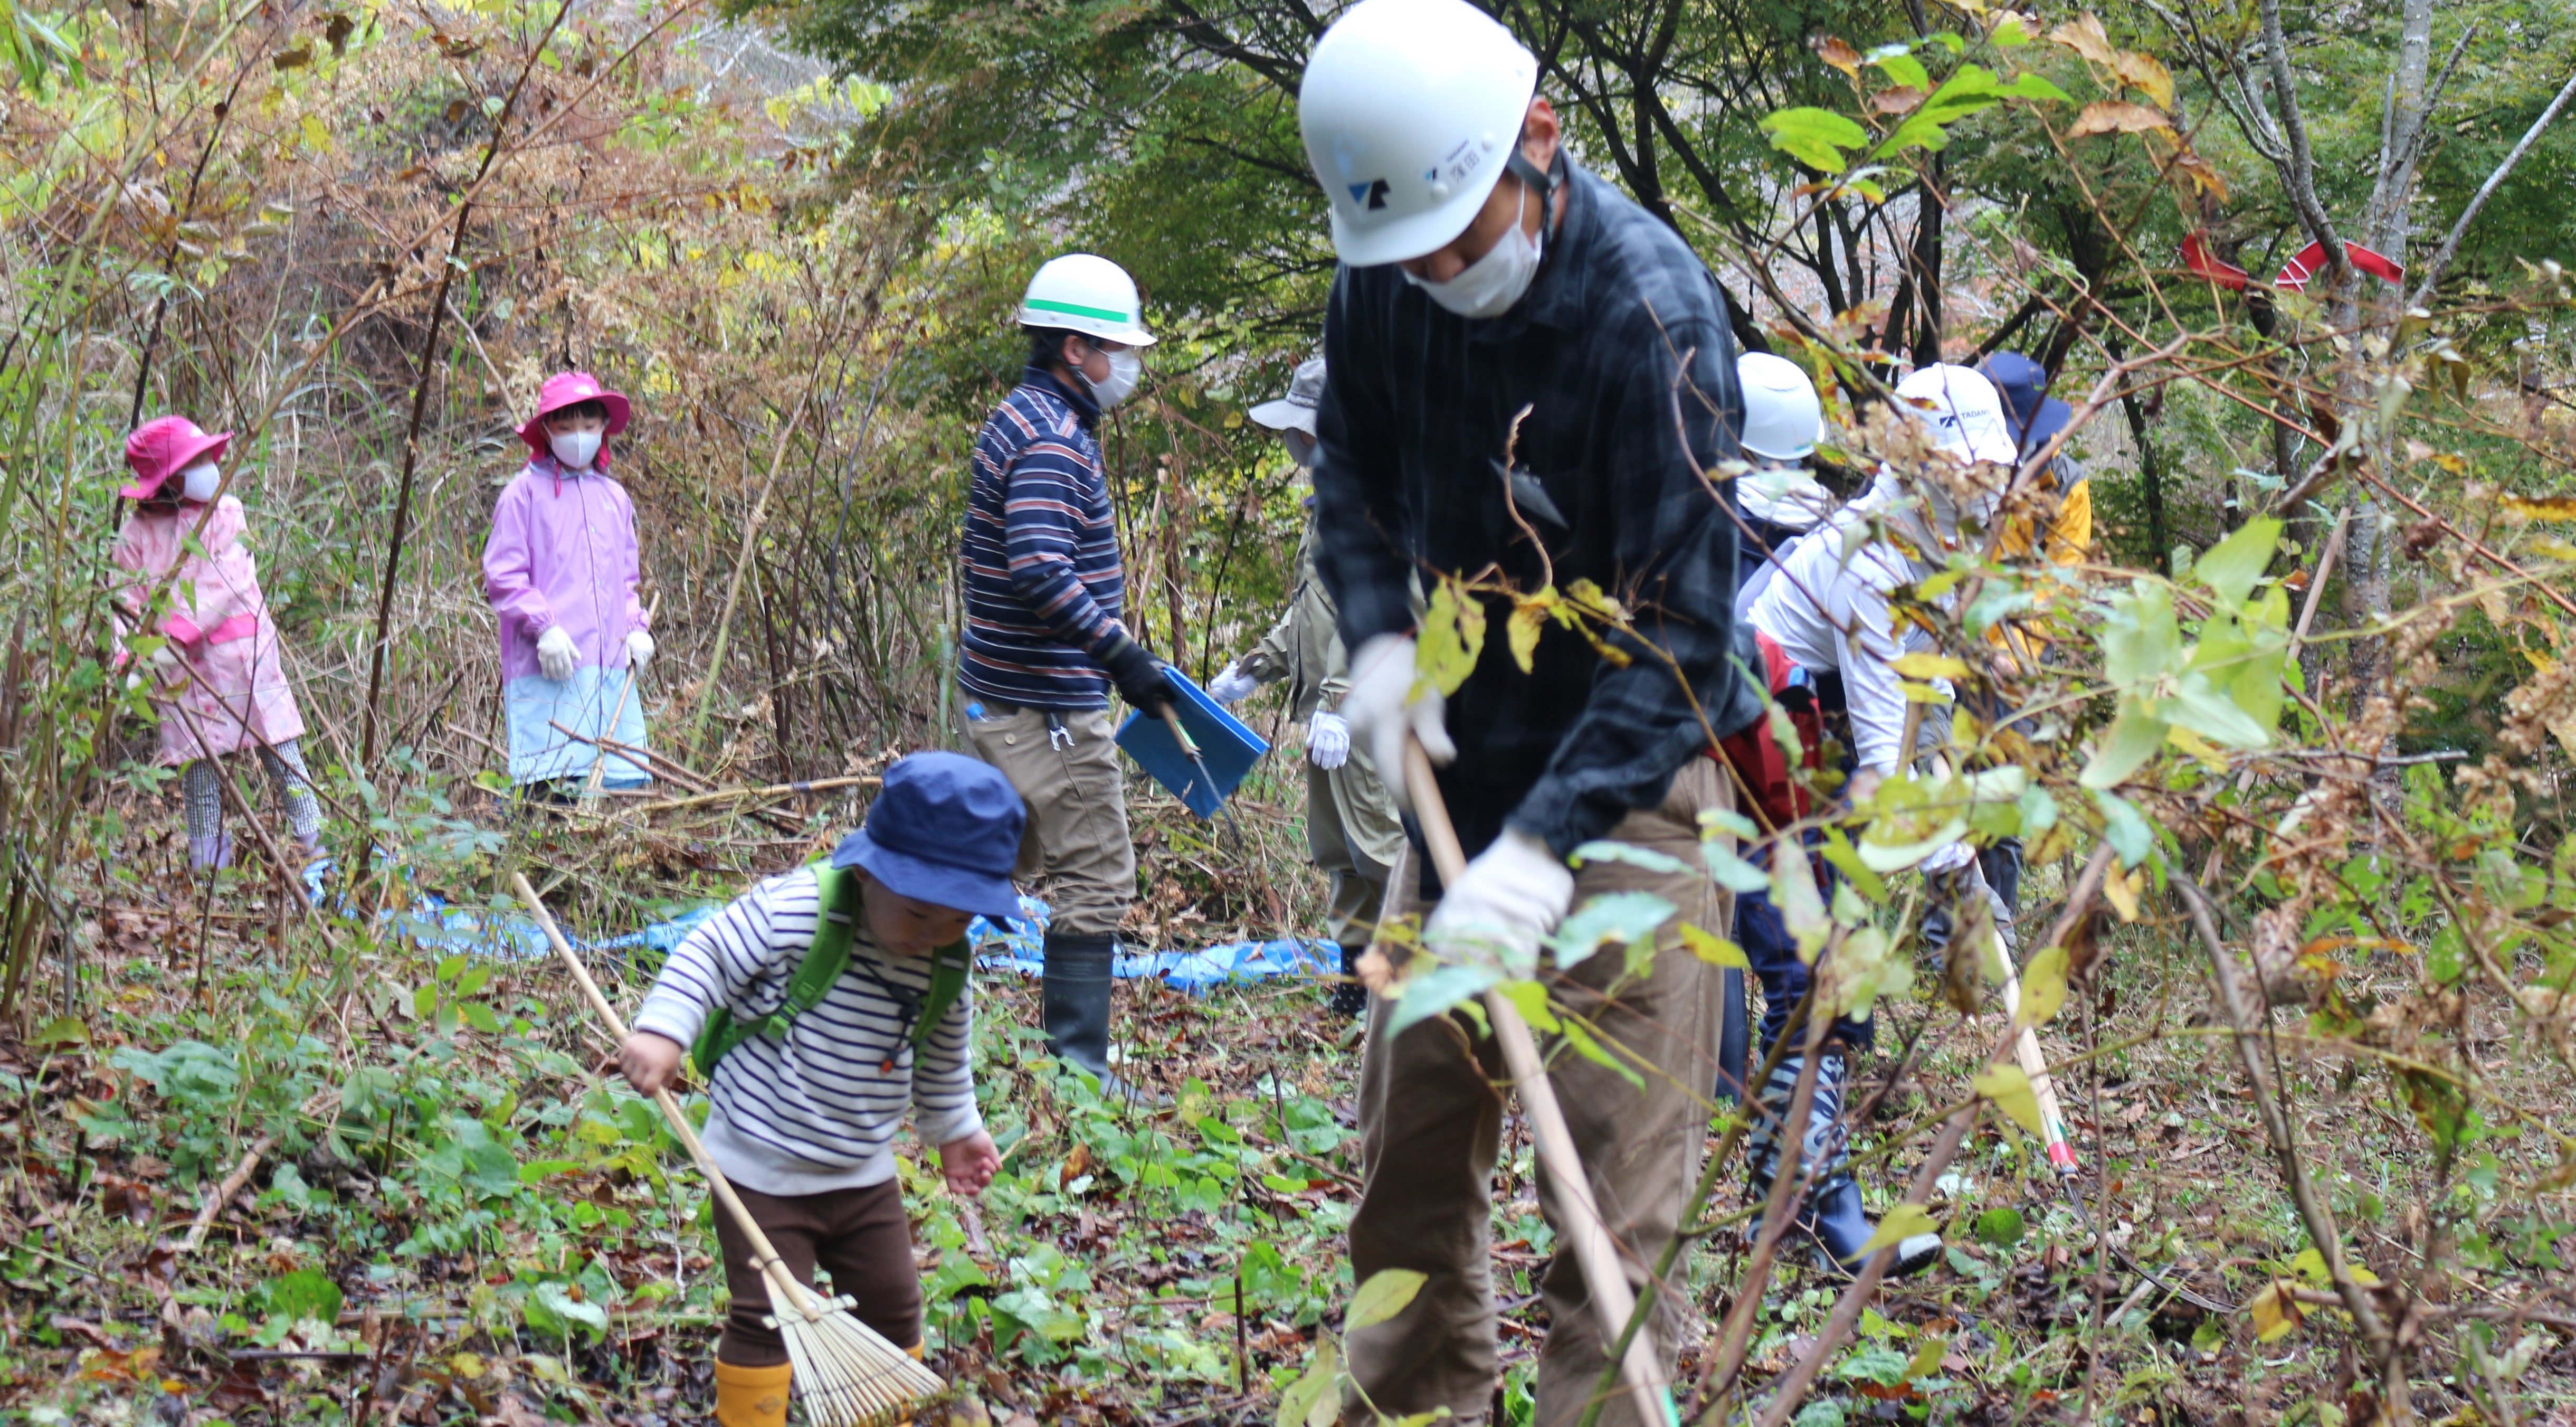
(1832, 1217)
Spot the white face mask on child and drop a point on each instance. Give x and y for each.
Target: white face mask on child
(574, 448)
(199, 482)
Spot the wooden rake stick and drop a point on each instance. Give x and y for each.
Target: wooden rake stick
(634, 675)
(1595, 1251)
(2034, 1067)
(783, 1285)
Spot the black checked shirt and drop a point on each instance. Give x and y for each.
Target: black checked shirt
(1622, 322)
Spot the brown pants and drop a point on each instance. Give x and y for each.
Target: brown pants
(1076, 848)
(860, 1237)
(1431, 1119)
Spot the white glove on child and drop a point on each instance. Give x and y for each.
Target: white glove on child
(1381, 711)
(1948, 857)
(1328, 740)
(1509, 898)
(165, 665)
(555, 653)
(639, 649)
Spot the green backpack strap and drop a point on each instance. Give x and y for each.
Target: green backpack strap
(949, 966)
(837, 895)
(837, 892)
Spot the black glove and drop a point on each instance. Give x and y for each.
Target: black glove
(1139, 675)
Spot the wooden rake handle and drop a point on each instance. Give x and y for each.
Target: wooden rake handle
(1595, 1251)
(794, 1294)
(2034, 1066)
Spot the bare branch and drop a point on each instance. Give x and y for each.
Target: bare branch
(2440, 262)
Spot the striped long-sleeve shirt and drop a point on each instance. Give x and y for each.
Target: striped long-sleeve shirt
(817, 1109)
(1044, 585)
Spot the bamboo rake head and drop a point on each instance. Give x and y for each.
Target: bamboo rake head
(847, 1374)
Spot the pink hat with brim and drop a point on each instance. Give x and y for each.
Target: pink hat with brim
(571, 389)
(165, 446)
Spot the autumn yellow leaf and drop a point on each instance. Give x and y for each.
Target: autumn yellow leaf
(1833, 51)
(2120, 886)
(1923, 664)
(2275, 1312)
(1529, 617)
(2086, 37)
(2043, 987)
(1714, 949)
(2010, 1090)
(2147, 75)
(2117, 116)
(2556, 507)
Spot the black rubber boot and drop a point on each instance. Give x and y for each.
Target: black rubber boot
(1833, 1217)
(1350, 998)
(1735, 1035)
(1074, 1007)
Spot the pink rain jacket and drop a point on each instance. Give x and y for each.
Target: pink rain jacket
(562, 551)
(218, 624)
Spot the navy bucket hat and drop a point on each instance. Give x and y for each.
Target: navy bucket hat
(944, 829)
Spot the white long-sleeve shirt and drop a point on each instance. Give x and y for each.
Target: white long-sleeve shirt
(816, 1110)
(1827, 605)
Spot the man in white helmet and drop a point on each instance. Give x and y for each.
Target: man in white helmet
(1351, 827)
(1488, 287)
(1781, 498)
(1043, 642)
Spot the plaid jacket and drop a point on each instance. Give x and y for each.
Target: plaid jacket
(1622, 354)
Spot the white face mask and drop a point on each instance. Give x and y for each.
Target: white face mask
(199, 482)
(574, 448)
(1490, 285)
(1124, 368)
(1301, 448)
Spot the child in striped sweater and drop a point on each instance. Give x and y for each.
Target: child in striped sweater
(804, 1104)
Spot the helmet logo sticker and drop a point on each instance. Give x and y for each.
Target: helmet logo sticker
(1370, 195)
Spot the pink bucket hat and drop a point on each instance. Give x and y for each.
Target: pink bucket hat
(571, 389)
(165, 446)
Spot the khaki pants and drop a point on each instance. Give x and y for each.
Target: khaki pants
(1358, 882)
(1431, 1117)
(1076, 849)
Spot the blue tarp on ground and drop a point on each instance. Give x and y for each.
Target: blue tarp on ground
(1019, 946)
(505, 935)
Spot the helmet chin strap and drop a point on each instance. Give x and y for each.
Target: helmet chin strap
(1543, 184)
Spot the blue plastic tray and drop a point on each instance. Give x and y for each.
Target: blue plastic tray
(1229, 748)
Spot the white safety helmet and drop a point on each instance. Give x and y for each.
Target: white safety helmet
(1783, 416)
(1411, 109)
(1091, 295)
(1963, 409)
(1966, 415)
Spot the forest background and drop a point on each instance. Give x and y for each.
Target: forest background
(2293, 787)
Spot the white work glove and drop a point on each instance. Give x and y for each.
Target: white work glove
(1381, 712)
(1328, 740)
(1948, 857)
(1232, 685)
(1507, 900)
(555, 653)
(165, 665)
(639, 649)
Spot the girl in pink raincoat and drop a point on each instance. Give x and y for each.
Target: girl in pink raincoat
(221, 673)
(561, 569)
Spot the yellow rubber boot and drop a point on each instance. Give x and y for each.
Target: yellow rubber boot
(752, 1397)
